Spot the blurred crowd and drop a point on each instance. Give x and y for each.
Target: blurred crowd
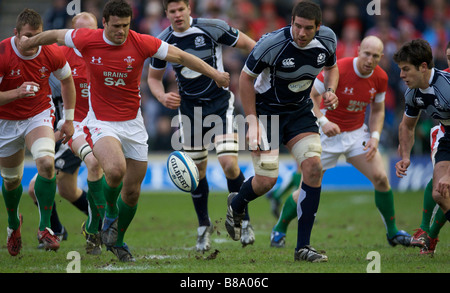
(397, 22)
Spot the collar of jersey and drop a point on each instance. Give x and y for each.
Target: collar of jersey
(109, 42)
(314, 42)
(357, 71)
(20, 55)
(430, 82)
(180, 34)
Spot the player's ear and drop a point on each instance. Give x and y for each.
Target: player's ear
(16, 32)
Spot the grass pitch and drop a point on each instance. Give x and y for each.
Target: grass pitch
(163, 234)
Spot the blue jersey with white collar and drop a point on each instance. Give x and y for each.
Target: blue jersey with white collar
(285, 72)
(203, 39)
(435, 100)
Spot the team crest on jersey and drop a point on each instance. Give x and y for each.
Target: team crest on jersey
(129, 61)
(43, 72)
(96, 60)
(321, 58)
(199, 41)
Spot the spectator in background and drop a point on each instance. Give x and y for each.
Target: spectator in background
(349, 42)
(269, 21)
(56, 17)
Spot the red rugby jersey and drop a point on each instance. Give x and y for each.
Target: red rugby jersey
(114, 71)
(355, 93)
(16, 69)
(79, 74)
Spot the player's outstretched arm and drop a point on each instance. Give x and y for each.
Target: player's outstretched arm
(45, 38)
(175, 55)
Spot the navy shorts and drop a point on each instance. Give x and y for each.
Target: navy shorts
(443, 151)
(65, 160)
(290, 124)
(202, 120)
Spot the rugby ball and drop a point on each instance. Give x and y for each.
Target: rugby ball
(182, 171)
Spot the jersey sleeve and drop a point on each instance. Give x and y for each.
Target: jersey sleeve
(220, 31)
(381, 86)
(260, 57)
(61, 68)
(77, 38)
(328, 38)
(410, 109)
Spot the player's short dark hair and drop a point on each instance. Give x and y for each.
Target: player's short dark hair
(119, 8)
(415, 52)
(30, 17)
(309, 10)
(166, 2)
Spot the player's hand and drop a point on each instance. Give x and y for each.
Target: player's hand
(171, 100)
(253, 136)
(331, 129)
(330, 100)
(222, 79)
(401, 167)
(27, 89)
(67, 131)
(23, 44)
(444, 186)
(372, 146)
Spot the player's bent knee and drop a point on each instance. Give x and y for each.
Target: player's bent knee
(43, 147)
(266, 165)
(12, 176)
(307, 147)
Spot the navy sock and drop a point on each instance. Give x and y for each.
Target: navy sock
(308, 203)
(234, 185)
(447, 215)
(81, 203)
(55, 224)
(245, 195)
(200, 200)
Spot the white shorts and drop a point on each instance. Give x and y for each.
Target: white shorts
(131, 134)
(347, 143)
(78, 127)
(13, 132)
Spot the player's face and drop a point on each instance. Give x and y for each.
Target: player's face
(27, 31)
(117, 29)
(413, 77)
(368, 59)
(303, 30)
(178, 14)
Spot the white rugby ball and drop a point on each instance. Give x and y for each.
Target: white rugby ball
(182, 171)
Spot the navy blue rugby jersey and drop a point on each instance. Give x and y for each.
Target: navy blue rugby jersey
(285, 72)
(203, 39)
(435, 100)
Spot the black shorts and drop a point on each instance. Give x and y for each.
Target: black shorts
(202, 120)
(287, 125)
(65, 160)
(443, 151)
